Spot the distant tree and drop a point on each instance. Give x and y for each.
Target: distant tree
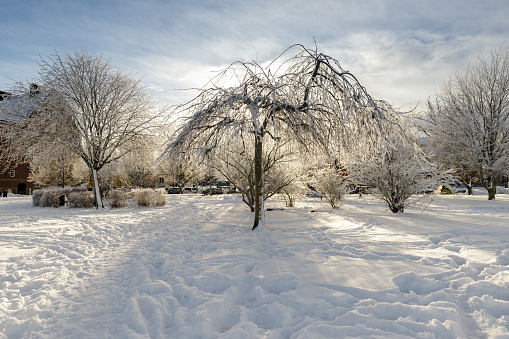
(20, 111)
(92, 107)
(57, 167)
(137, 168)
(307, 97)
(180, 172)
(468, 121)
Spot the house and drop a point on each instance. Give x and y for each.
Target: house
(13, 175)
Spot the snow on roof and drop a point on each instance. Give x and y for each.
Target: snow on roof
(15, 107)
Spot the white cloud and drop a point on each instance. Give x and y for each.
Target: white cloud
(399, 50)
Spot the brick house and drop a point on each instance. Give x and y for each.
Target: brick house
(15, 180)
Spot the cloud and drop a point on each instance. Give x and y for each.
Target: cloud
(400, 50)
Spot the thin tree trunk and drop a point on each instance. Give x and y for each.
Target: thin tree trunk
(63, 176)
(63, 172)
(258, 167)
(97, 192)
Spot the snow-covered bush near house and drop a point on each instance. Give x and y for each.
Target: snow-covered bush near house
(50, 198)
(149, 197)
(118, 198)
(36, 197)
(81, 199)
(193, 269)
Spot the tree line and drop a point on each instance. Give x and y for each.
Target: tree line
(300, 123)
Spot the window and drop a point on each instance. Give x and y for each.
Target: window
(37, 185)
(160, 180)
(12, 173)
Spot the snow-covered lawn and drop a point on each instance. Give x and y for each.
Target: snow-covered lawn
(193, 269)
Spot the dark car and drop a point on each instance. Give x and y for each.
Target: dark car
(215, 190)
(172, 190)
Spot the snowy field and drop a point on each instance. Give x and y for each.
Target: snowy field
(193, 269)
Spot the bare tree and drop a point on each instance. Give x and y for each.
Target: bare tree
(18, 110)
(57, 166)
(136, 168)
(92, 107)
(468, 121)
(180, 172)
(306, 97)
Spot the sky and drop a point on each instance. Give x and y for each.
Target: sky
(400, 50)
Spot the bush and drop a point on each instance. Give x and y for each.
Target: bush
(118, 198)
(333, 185)
(50, 196)
(36, 197)
(81, 199)
(149, 197)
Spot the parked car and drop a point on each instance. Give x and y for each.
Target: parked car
(189, 190)
(314, 194)
(172, 190)
(215, 190)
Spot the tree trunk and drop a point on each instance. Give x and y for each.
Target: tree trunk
(491, 192)
(258, 167)
(63, 176)
(97, 192)
(469, 190)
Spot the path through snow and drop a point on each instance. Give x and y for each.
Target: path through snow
(193, 269)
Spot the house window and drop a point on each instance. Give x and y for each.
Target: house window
(12, 173)
(37, 185)
(160, 180)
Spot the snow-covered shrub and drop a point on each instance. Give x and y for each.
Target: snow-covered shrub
(81, 199)
(36, 197)
(118, 198)
(332, 184)
(398, 172)
(50, 198)
(149, 197)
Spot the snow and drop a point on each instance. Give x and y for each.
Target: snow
(193, 269)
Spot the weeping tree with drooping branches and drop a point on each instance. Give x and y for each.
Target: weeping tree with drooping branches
(306, 97)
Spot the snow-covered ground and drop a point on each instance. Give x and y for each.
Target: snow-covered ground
(193, 269)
